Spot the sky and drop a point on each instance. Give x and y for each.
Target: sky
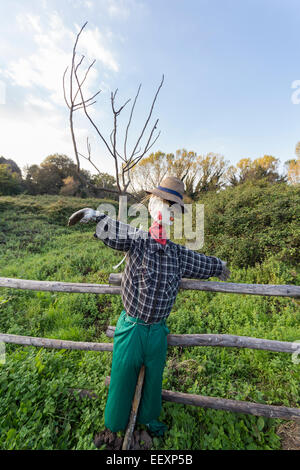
(231, 76)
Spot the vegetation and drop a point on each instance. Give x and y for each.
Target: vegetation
(202, 174)
(205, 173)
(253, 226)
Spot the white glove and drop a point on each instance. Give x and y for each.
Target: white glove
(83, 216)
(225, 272)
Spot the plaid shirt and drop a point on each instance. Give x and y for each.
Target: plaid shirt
(153, 271)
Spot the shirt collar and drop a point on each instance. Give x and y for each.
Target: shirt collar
(155, 246)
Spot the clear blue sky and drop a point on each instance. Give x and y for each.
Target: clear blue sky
(229, 66)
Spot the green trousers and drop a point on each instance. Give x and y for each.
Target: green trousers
(135, 344)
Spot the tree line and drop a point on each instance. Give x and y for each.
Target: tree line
(210, 172)
(58, 174)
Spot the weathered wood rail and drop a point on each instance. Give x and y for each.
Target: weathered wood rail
(227, 341)
(228, 287)
(54, 343)
(237, 406)
(55, 286)
(185, 284)
(217, 340)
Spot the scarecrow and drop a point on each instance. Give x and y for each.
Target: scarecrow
(150, 282)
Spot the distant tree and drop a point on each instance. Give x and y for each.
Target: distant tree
(293, 171)
(48, 177)
(10, 182)
(101, 183)
(31, 178)
(104, 181)
(208, 174)
(57, 174)
(42, 180)
(297, 150)
(181, 163)
(293, 167)
(150, 171)
(70, 186)
(11, 164)
(200, 173)
(60, 164)
(265, 168)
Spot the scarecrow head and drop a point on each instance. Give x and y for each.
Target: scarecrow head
(166, 200)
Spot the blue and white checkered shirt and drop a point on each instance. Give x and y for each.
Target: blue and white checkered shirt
(153, 271)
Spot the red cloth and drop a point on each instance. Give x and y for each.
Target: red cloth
(158, 233)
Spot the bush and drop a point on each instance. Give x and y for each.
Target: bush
(249, 223)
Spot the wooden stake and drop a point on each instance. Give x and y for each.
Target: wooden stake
(134, 409)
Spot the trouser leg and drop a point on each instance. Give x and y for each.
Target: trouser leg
(126, 363)
(155, 358)
(135, 345)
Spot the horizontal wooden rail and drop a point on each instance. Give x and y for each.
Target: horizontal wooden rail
(237, 406)
(228, 287)
(173, 340)
(228, 341)
(56, 286)
(54, 343)
(185, 284)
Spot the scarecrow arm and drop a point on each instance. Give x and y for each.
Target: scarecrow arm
(225, 272)
(113, 233)
(83, 216)
(199, 266)
(116, 234)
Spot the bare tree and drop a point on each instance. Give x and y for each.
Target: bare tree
(124, 160)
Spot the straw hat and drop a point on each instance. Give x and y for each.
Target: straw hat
(171, 189)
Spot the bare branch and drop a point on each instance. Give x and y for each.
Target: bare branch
(149, 116)
(129, 122)
(83, 80)
(133, 161)
(110, 143)
(79, 63)
(96, 128)
(81, 107)
(113, 135)
(89, 99)
(138, 151)
(122, 107)
(64, 88)
(71, 106)
(73, 62)
(89, 159)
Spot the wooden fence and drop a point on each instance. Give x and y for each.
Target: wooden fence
(185, 340)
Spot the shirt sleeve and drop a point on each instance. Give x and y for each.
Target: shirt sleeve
(116, 234)
(199, 266)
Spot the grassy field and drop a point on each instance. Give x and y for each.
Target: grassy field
(36, 409)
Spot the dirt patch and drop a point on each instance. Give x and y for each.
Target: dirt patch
(140, 440)
(289, 434)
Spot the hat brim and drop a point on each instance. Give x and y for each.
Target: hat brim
(168, 197)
